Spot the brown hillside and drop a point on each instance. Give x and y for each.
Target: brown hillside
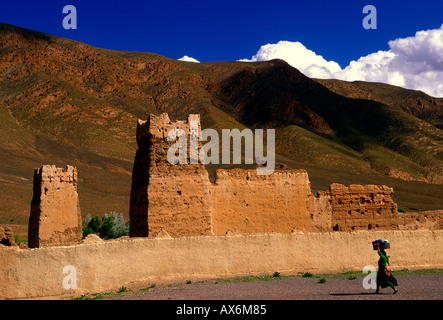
(65, 102)
(417, 103)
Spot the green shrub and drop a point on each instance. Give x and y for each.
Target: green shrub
(110, 226)
(18, 239)
(401, 210)
(276, 274)
(307, 275)
(322, 280)
(91, 225)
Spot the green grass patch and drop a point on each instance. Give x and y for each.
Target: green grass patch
(267, 277)
(103, 295)
(19, 239)
(148, 288)
(352, 275)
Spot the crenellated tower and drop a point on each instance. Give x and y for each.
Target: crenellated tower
(165, 194)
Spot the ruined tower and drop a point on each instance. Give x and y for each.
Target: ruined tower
(55, 213)
(163, 194)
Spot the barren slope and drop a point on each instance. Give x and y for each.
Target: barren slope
(65, 102)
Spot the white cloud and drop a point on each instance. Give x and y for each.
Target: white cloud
(413, 62)
(298, 56)
(375, 67)
(188, 59)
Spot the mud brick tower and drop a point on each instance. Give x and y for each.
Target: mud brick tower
(55, 212)
(163, 194)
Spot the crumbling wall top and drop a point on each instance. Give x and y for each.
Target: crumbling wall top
(159, 126)
(337, 188)
(50, 173)
(251, 174)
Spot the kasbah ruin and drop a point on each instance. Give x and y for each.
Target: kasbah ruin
(182, 225)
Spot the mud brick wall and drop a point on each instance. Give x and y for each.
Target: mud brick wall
(55, 217)
(421, 220)
(7, 237)
(363, 207)
(320, 210)
(109, 265)
(251, 203)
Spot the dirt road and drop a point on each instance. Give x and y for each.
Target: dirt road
(411, 287)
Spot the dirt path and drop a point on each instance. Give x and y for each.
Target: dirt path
(411, 287)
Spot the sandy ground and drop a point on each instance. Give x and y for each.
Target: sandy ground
(411, 287)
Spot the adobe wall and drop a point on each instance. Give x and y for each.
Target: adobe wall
(419, 220)
(319, 205)
(360, 207)
(109, 265)
(251, 203)
(372, 207)
(55, 217)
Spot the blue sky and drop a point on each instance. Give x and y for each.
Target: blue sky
(230, 30)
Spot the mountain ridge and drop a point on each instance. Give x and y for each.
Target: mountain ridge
(66, 102)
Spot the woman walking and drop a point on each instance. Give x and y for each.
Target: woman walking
(384, 276)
